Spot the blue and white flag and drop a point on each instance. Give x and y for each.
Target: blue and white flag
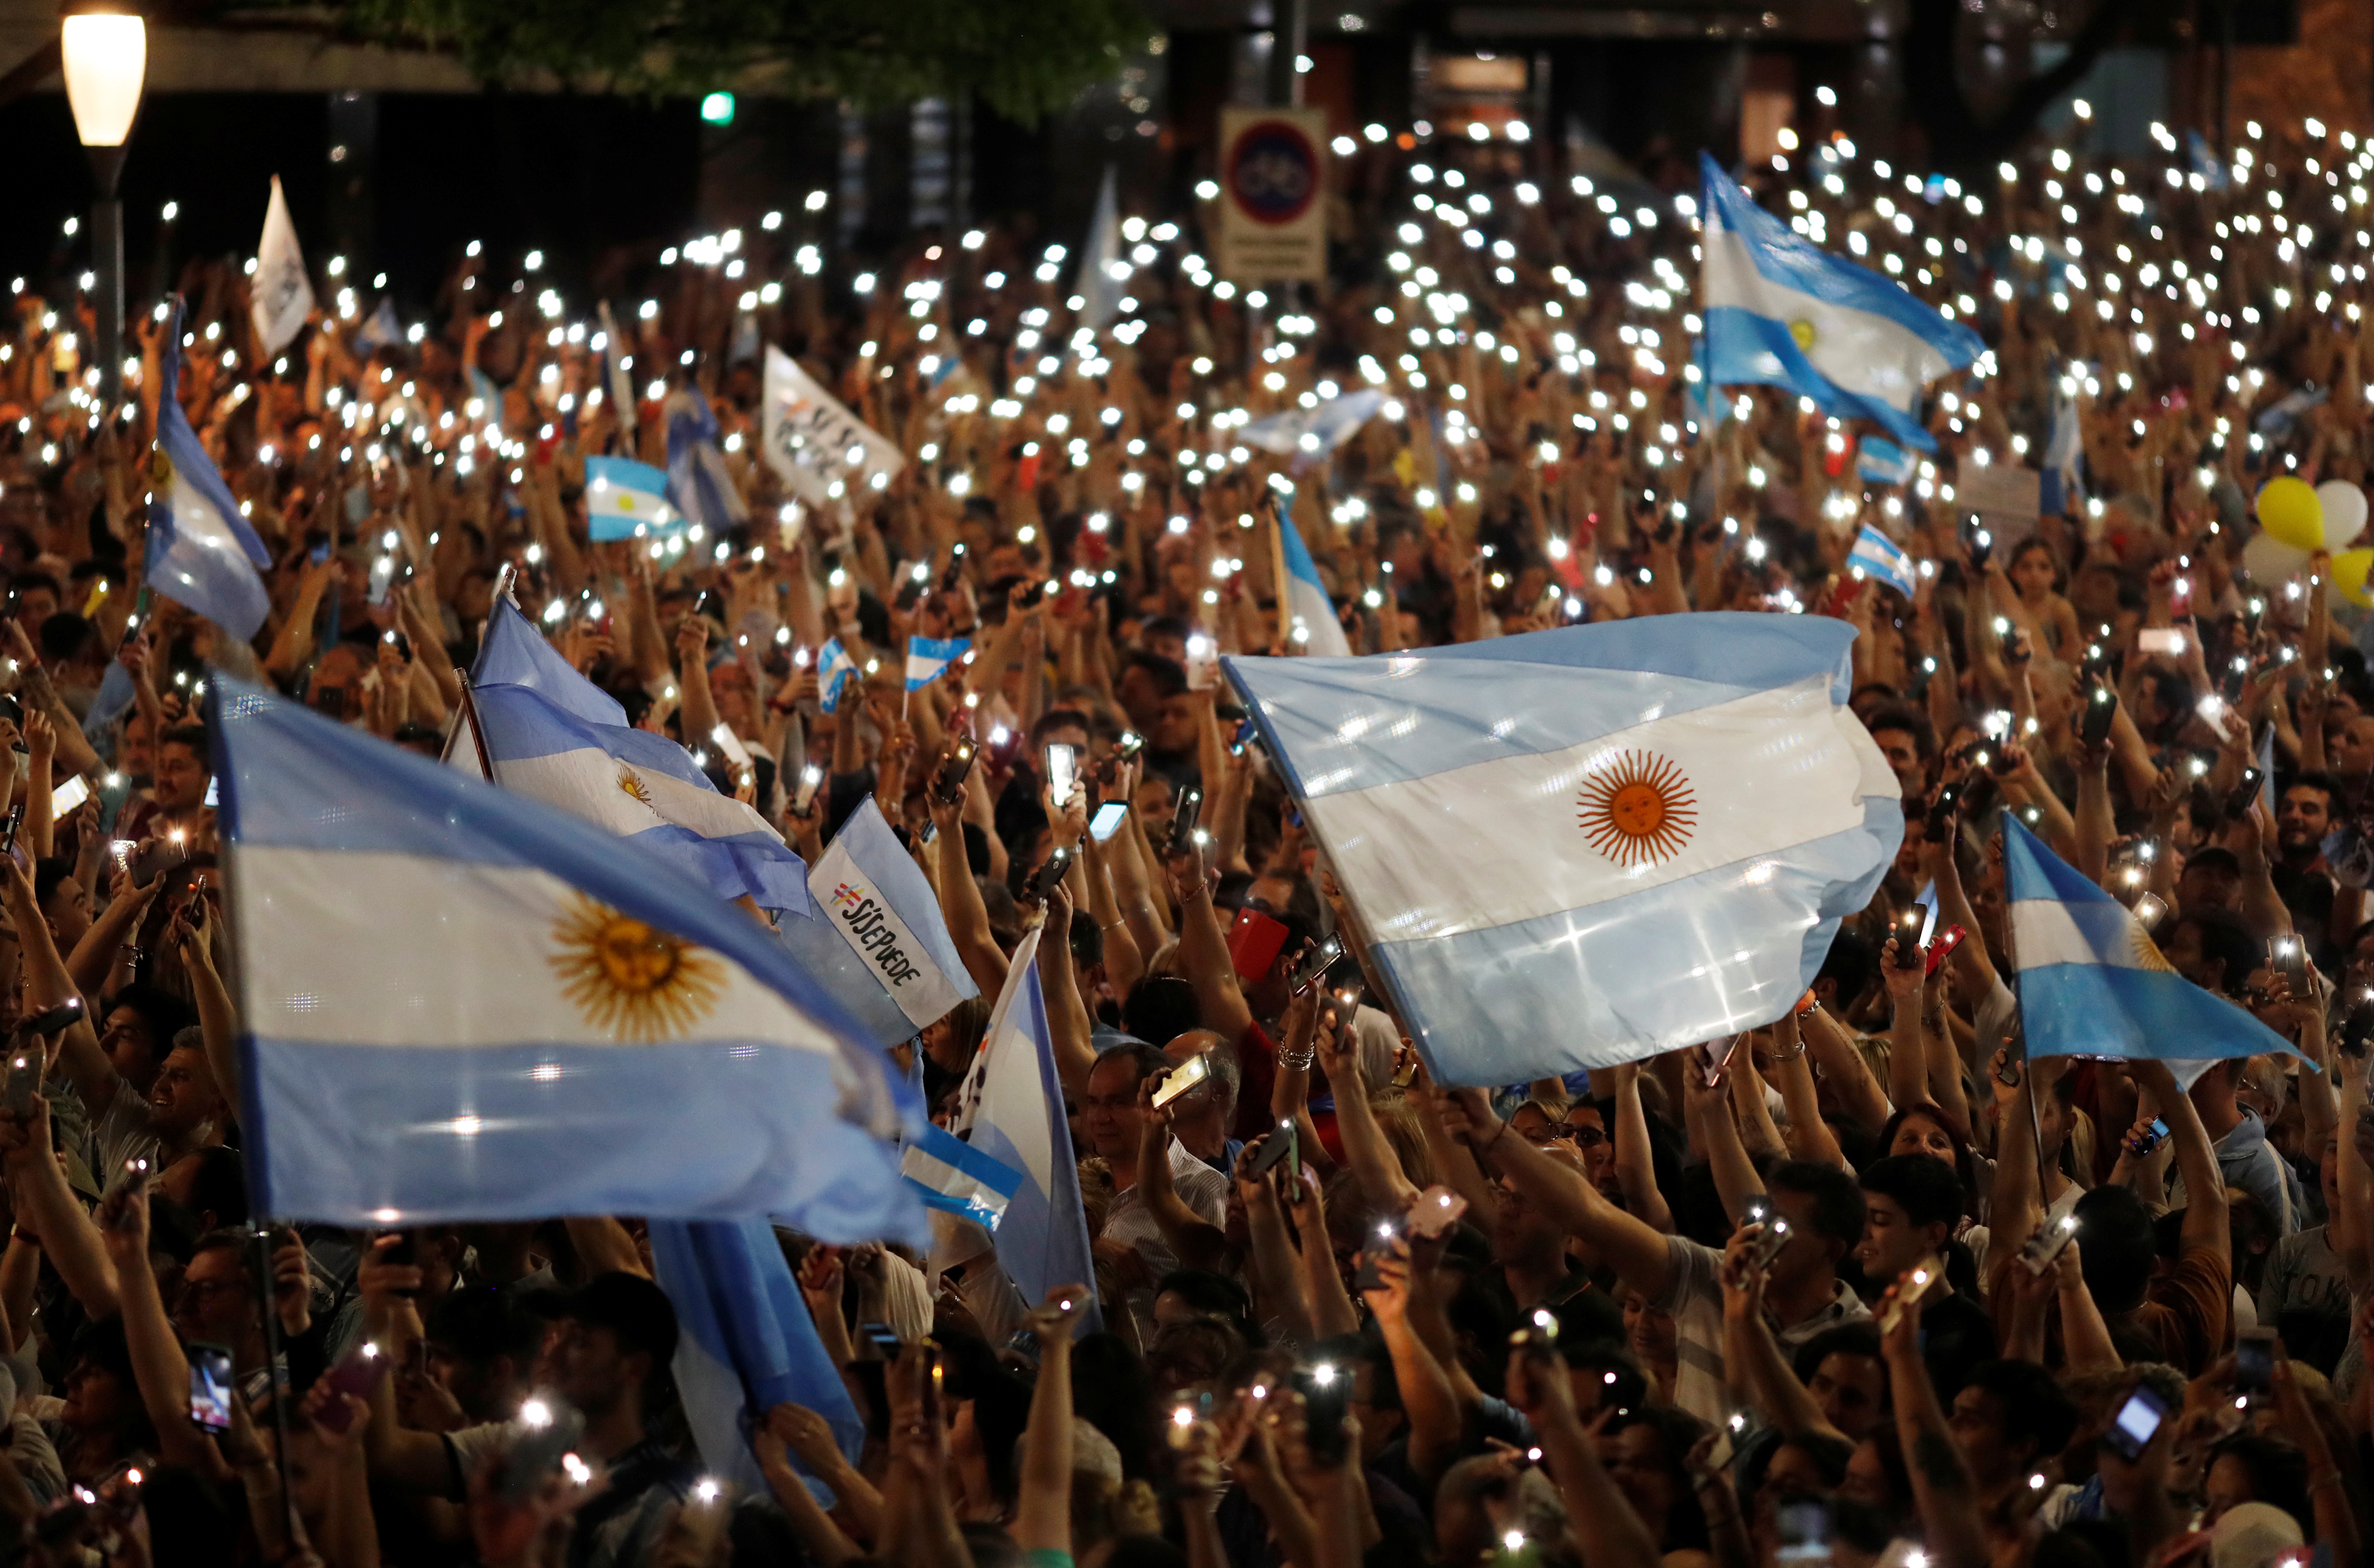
(462, 1004)
(873, 934)
(2064, 460)
(698, 481)
(950, 1174)
(745, 1341)
(1882, 461)
(618, 381)
(1102, 267)
(202, 554)
(1011, 1109)
(834, 667)
(1577, 847)
(1782, 311)
(1307, 606)
(1311, 433)
(379, 330)
(1879, 556)
(2205, 162)
(927, 657)
(634, 783)
(626, 499)
(2092, 982)
(116, 694)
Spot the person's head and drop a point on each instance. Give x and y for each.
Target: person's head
(2033, 571)
(1185, 1295)
(184, 1102)
(1108, 1112)
(2210, 884)
(2115, 1246)
(1643, 1452)
(217, 1300)
(102, 1394)
(37, 600)
(2250, 1466)
(1924, 1128)
(1202, 1115)
(2210, 946)
(210, 1184)
(2350, 750)
(482, 1350)
(1904, 736)
(140, 1023)
(1602, 1376)
(2009, 1417)
(1585, 1127)
(1058, 726)
(1825, 1210)
(2305, 815)
(1160, 1007)
(64, 902)
(1910, 1205)
(1841, 1369)
(181, 769)
(614, 1337)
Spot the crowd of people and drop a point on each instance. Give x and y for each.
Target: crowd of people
(1872, 1286)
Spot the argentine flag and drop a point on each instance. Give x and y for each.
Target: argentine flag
(1011, 1110)
(552, 738)
(927, 657)
(463, 1004)
(834, 667)
(201, 553)
(1315, 431)
(1307, 604)
(1102, 266)
(873, 934)
(2092, 983)
(951, 1175)
(626, 499)
(1882, 461)
(696, 477)
(1579, 847)
(1876, 554)
(2064, 460)
(1779, 311)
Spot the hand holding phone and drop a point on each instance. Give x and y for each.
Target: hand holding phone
(1182, 837)
(1182, 1079)
(948, 783)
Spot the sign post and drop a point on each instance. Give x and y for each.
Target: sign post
(1272, 195)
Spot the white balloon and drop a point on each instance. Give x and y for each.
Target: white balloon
(2269, 561)
(2344, 512)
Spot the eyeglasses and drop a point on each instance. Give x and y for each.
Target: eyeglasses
(1581, 1138)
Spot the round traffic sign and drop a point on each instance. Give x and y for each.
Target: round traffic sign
(1272, 172)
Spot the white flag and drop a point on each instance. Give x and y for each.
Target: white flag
(1099, 260)
(280, 295)
(813, 442)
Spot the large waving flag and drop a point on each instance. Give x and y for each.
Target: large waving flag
(280, 296)
(873, 936)
(2093, 983)
(1304, 601)
(697, 480)
(1577, 847)
(201, 554)
(1782, 311)
(461, 1004)
(1011, 1109)
(550, 736)
(744, 1342)
(1100, 259)
(626, 499)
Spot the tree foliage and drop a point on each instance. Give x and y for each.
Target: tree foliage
(1959, 137)
(1023, 57)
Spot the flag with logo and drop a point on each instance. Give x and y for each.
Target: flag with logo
(626, 499)
(280, 296)
(461, 1004)
(834, 669)
(2092, 982)
(558, 738)
(201, 552)
(822, 450)
(1876, 554)
(873, 933)
(1781, 312)
(1579, 847)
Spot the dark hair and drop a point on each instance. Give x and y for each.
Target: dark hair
(47, 875)
(1619, 1368)
(1683, 1526)
(478, 1323)
(1927, 1188)
(220, 1187)
(1859, 1338)
(2223, 937)
(2035, 1409)
(1214, 1295)
(64, 637)
(1144, 1060)
(2114, 1232)
(1911, 720)
(1170, 677)
(2315, 779)
(1965, 1168)
(1111, 1393)
(1838, 1201)
(1054, 719)
(192, 735)
(1087, 940)
(24, 582)
(2278, 1474)
(1850, 965)
(164, 1014)
(1160, 1007)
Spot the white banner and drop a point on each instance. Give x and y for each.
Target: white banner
(279, 296)
(812, 441)
(851, 902)
(1272, 195)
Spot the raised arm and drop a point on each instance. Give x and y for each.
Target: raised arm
(1942, 1485)
(1372, 1159)
(48, 986)
(960, 903)
(1810, 1137)
(1042, 1512)
(2196, 1161)
(1203, 949)
(1636, 1167)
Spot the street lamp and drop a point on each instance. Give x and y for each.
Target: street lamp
(105, 50)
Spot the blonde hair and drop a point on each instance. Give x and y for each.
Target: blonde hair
(1397, 1119)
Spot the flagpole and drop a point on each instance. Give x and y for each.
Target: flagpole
(468, 715)
(2019, 1034)
(1283, 579)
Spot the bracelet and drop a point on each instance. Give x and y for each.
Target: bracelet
(1789, 1056)
(1496, 1139)
(1299, 1063)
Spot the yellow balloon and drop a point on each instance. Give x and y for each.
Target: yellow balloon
(2349, 570)
(2288, 509)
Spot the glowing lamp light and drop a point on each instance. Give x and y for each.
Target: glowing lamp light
(105, 59)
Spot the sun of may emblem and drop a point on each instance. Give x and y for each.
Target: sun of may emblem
(1639, 809)
(631, 979)
(1803, 330)
(632, 783)
(2146, 952)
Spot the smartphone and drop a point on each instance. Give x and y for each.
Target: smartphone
(2047, 1242)
(804, 794)
(947, 783)
(1925, 1274)
(213, 1385)
(2151, 1138)
(134, 1173)
(1327, 1391)
(2101, 707)
(2254, 1360)
(2137, 1422)
(1275, 1146)
(1063, 772)
(2239, 803)
(1371, 1275)
(930, 1390)
(1129, 745)
(1108, 820)
(1768, 1241)
(1182, 822)
(882, 1336)
(1050, 871)
(23, 1082)
(2287, 956)
(1344, 999)
(68, 795)
(1803, 1533)
(1943, 947)
(1941, 813)
(2357, 1030)
(2150, 910)
(1908, 937)
(1313, 966)
(1711, 1055)
(53, 1019)
(2160, 639)
(356, 1373)
(538, 1450)
(1182, 1079)
(1203, 662)
(1438, 1208)
(404, 1254)
(1981, 542)
(8, 829)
